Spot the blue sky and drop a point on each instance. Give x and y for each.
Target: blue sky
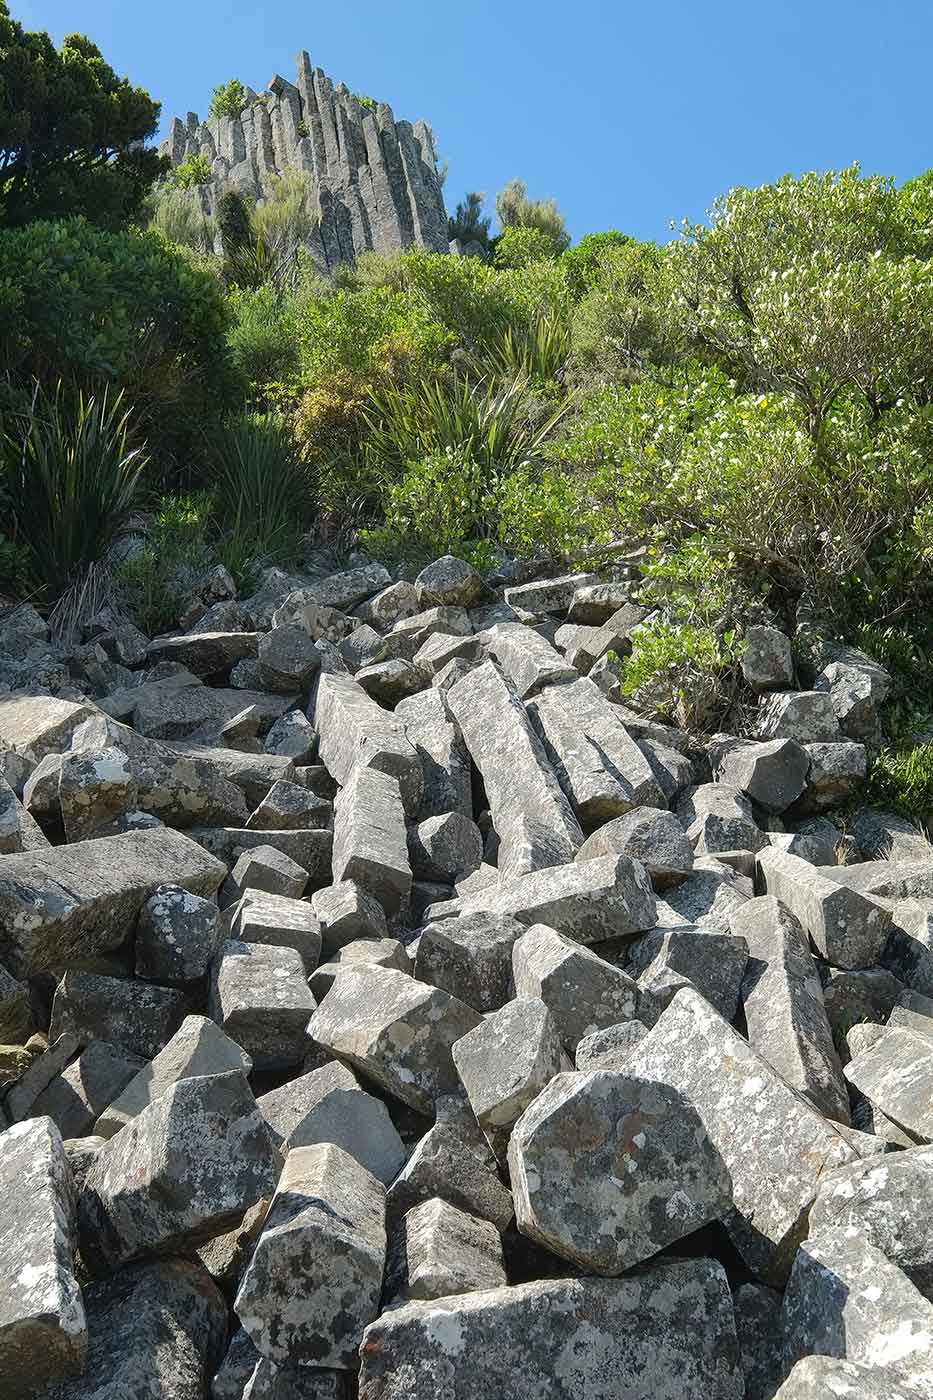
(629, 115)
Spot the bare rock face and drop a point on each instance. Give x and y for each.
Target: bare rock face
(43, 1329)
(608, 1170)
(438, 1250)
(315, 1278)
(563, 1339)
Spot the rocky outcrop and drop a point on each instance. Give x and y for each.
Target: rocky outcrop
(374, 179)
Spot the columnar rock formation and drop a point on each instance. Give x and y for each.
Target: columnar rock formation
(374, 179)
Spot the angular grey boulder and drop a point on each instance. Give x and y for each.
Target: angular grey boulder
(750, 1115)
(139, 1016)
(73, 902)
(506, 1062)
(260, 999)
(345, 1115)
(448, 582)
(826, 1378)
(182, 1171)
(346, 912)
(767, 661)
(526, 658)
(758, 1326)
(356, 732)
(94, 787)
(611, 1047)
(649, 835)
(445, 848)
(370, 845)
(178, 934)
(315, 1278)
(81, 1092)
(668, 959)
(530, 813)
(450, 1163)
(773, 774)
(266, 869)
(607, 1170)
(562, 1339)
(280, 921)
(445, 762)
(396, 1031)
(287, 660)
(43, 1329)
(290, 807)
(583, 992)
(438, 1250)
(848, 929)
(470, 957)
(896, 1074)
(805, 715)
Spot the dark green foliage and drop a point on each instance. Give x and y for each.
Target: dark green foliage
(468, 223)
(193, 171)
(584, 262)
(72, 134)
(233, 222)
(73, 475)
(902, 781)
(228, 99)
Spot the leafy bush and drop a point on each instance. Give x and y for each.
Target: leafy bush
(538, 348)
(583, 263)
(468, 223)
(367, 103)
(261, 337)
(233, 222)
(228, 99)
(82, 304)
(355, 331)
(262, 494)
(74, 476)
(542, 514)
(518, 246)
(513, 207)
(156, 580)
(440, 502)
(179, 218)
(681, 671)
(902, 781)
(192, 172)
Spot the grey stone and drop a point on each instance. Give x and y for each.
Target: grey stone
(280, 921)
(553, 595)
(315, 1278)
(654, 837)
(709, 896)
(271, 1382)
(292, 736)
(130, 1319)
(438, 1250)
(353, 1120)
(197, 1049)
(183, 1170)
(600, 767)
(530, 813)
(607, 1170)
(439, 650)
(767, 661)
(448, 1163)
(448, 582)
(363, 647)
(506, 1062)
(370, 845)
(11, 827)
(914, 1012)
(391, 681)
(285, 1107)
(37, 1075)
(81, 1092)
(673, 771)
(390, 605)
(287, 660)
(804, 715)
(836, 771)
(857, 688)
(862, 994)
(896, 1073)
(43, 1329)
(719, 818)
(470, 957)
(346, 590)
(380, 952)
(39, 724)
(355, 732)
(137, 1016)
(76, 901)
(260, 999)
(750, 1116)
(178, 934)
(887, 836)
(758, 1326)
(815, 840)
(845, 1299)
(526, 658)
(583, 992)
(313, 850)
(667, 959)
(205, 654)
(588, 902)
(347, 912)
(396, 1031)
(772, 774)
(444, 758)
(562, 1338)
(15, 1011)
(785, 1013)
(826, 1378)
(886, 1202)
(290, 807)
(445, 848)
(268, 870)
(847, 928)
(610, 1047)
(236, 1369)
(202, 713)
(594, 603)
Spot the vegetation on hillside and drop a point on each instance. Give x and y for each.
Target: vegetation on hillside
(749, 406)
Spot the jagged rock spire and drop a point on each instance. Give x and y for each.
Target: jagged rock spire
(374, 179)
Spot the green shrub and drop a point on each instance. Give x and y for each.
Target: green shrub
(228, 99)
(73, 477)
(82, 304)
(156, 581)
(261, 337)
(354, 331)
(233, 222)
(519, 246)
(583, 263)
(681, 671)
(514, 208)
(192, 172)
(468, 223)
(179, 218)
(902, 781)
(367, 103)
(439, 504)
(543, 514)
(538, 348)
(262, 494)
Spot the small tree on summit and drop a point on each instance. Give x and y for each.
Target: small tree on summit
(515, 210)
(468, 222)
(228, 99)
(72, 134)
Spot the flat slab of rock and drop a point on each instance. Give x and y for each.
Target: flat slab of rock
(72, 902)
(847, 928)
(530, 813)
(315, 1278)
(205, 653)
(260, 999)
(582, 992)
(74, 1100)
(138, 1016)
(396, 1031)
(526, 658)
(826, 1378)
(750, 1116)
(655, 838)
(785, 1011)
(438, 1250)
(311, 849)
(553, 595)
(43, 1329)
(198, 1048)
(439, 744)
(370, 843)
(896, 1073)
(608, 1170)
(182, 1171)
(40, 723)
(562, 1339)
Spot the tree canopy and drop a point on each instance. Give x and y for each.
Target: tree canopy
(72, 134)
